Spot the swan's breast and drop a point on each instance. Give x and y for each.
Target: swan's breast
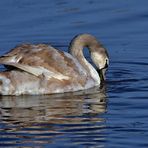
(78, 66)
(92, 77)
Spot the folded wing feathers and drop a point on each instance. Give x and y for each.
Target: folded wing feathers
(35, 70)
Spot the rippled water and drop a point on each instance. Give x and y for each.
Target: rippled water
(116, 115)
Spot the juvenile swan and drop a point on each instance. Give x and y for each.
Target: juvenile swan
(42, 69)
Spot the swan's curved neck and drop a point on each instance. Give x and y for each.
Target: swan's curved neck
(76, 49)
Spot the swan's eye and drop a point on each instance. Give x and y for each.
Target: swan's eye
(102, 50)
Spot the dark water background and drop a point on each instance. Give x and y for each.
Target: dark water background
(114, 117)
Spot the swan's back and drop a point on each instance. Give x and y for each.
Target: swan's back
(42, 57)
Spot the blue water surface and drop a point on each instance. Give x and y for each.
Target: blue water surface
(113, 117)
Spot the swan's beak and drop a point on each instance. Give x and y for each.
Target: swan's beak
(102, 73)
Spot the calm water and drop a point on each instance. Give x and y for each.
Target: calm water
(117, 115)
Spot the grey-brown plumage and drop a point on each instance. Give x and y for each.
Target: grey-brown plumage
(42, 69)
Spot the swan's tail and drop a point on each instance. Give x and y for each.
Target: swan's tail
(5, 84)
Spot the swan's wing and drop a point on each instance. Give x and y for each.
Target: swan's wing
(39, 60)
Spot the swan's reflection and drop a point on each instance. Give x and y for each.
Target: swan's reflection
(54, 114)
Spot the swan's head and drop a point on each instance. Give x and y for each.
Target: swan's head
(99, 54)
(100, 58)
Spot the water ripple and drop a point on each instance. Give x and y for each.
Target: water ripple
(39, 119)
